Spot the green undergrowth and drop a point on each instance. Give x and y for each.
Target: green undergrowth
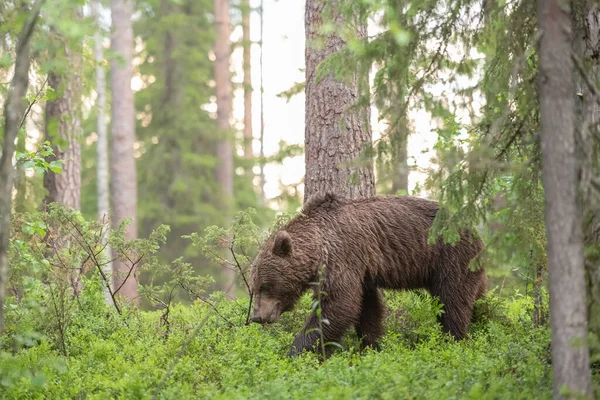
(205, 354)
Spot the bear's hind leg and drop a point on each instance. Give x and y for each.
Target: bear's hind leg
(458, 297)
(370, 325)
(458, 293)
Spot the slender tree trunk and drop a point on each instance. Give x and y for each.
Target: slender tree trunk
(102, 174)
(335, 137)
(171, 96)
(63, 129)
(247, 45)
(123, 169)
(262, 180)
(224, 98)
(560, 175)
(224, 104)
(13, 112)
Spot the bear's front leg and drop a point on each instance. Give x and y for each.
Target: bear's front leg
(307, 339)
(340, 308)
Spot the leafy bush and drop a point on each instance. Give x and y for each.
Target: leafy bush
(127, 356)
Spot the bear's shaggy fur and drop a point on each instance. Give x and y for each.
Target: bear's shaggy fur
(379, 242)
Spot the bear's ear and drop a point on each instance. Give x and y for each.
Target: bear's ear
(282, 246)
(326, 201)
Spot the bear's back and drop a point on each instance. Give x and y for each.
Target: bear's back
(384, 236)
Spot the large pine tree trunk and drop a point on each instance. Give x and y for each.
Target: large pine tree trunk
(335, 137)
(564, 214)
(123, 170)
(102, 174)
(63, 130)
(586, 46)
(13, 112)
(247, 45)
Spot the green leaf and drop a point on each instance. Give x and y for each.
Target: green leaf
(56, 166)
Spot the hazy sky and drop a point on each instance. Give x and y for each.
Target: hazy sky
(283, 59)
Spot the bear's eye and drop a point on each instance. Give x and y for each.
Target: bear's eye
(265, 290)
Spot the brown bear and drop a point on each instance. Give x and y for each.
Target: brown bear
(378, 242)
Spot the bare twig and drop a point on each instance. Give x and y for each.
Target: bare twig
(98, 266)
(30, 105)
(133, 265)
(215, 309)
(248, 288)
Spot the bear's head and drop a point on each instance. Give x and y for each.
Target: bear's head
(276, 286)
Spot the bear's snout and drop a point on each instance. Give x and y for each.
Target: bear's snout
(256, 318)
(266, 310)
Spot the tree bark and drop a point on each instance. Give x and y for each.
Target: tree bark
(564, 214)
(13, 111)
(586, 46)
(123, 169)
(63, 129)
(102, 174)
(247, 46)
(335, 136)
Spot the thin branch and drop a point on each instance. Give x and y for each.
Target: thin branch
(245, 281)
(28, 27)
(512, 139)
(98, 266)
(239, 267)
(28, 110)
(133, 265)
(215, 309)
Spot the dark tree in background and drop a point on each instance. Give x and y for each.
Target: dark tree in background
(224, 100)
(123, 166)
(564, 213)
(336, 134)
(224, 104)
